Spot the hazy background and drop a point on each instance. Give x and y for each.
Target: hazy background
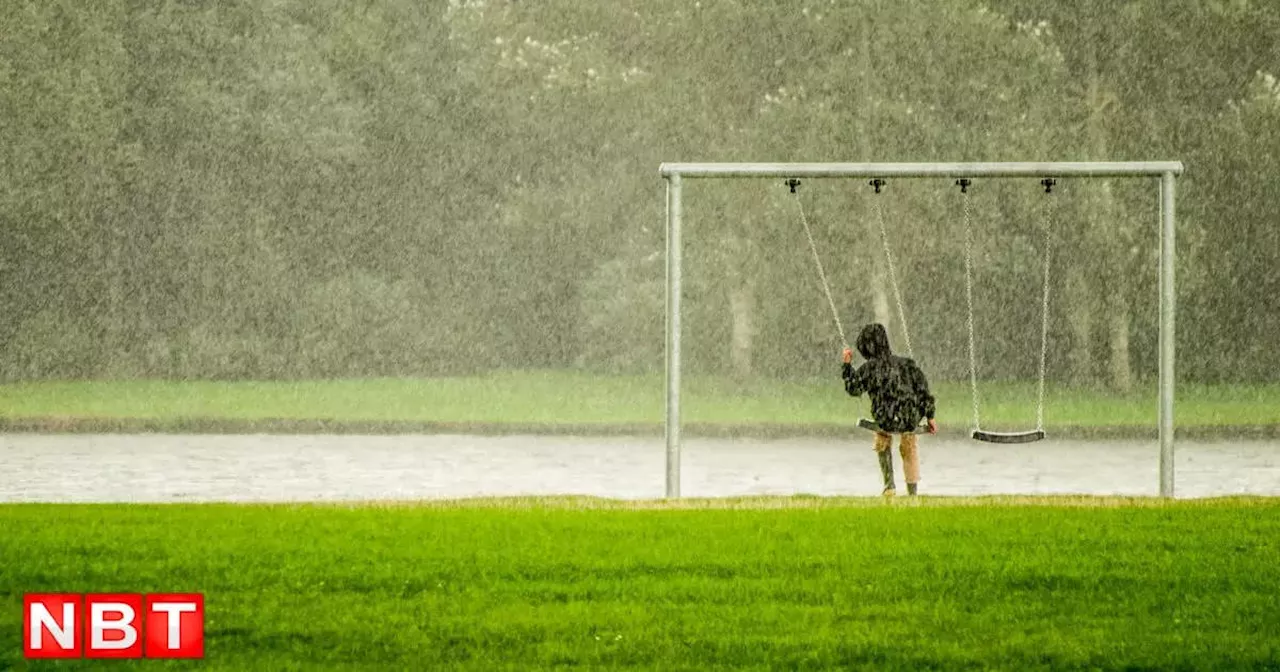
(314, 188)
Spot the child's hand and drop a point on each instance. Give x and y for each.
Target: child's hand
(933, 426)
(848, 356)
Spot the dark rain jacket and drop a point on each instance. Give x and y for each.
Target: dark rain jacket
(899, 392)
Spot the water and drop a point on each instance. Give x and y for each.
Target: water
(275, 468)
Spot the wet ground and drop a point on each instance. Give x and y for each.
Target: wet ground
(263, 468)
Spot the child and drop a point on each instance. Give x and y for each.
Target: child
(900, 397)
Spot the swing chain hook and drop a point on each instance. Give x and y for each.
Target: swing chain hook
(793, 183)
(1048, 183)
(964, 183)
(877, 183)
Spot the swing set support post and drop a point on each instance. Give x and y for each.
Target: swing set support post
(1166, 171)
(1168, 305)
(674, 216)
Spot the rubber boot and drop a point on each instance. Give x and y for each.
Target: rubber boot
(886, 470)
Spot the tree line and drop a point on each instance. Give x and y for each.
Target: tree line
(316, 189)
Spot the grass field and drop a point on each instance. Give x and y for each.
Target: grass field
(782, 583)
(570, 399)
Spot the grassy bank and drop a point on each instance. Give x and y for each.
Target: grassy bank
(562, 399)
(794, 583)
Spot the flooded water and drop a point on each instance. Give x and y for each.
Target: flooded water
(274, 468)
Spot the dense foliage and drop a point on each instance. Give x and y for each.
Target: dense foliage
(293, 189)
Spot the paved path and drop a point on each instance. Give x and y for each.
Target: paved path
(258, 468)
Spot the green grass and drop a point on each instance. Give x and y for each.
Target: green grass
(783, 583)
(566, 398)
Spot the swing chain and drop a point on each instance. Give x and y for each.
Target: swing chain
(822, 274)
(1048, 183)
(893, 275)
(968, 287)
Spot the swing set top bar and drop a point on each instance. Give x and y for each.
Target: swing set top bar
(1032, 169)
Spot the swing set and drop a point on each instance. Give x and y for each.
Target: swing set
(1165, 171)
(976, 433)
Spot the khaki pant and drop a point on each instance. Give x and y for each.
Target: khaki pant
(910, 455)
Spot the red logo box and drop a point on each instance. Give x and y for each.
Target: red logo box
(51, 625)
(175, 625)
(113, 625)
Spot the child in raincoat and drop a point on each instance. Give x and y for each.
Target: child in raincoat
(900, 402)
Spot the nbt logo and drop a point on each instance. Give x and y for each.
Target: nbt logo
(117, 625)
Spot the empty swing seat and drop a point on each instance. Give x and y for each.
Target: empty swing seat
(1008, 437)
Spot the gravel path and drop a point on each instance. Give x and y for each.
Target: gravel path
(262, 468)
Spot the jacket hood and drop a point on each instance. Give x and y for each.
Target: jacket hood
(873, 342)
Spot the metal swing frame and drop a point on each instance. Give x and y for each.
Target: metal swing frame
(1166, 171)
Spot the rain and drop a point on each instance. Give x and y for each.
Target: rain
(391, 249)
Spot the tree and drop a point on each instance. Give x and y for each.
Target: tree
(1138, 67)
(60, 93)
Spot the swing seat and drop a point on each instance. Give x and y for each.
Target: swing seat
(871, 425)
(1008, 437)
